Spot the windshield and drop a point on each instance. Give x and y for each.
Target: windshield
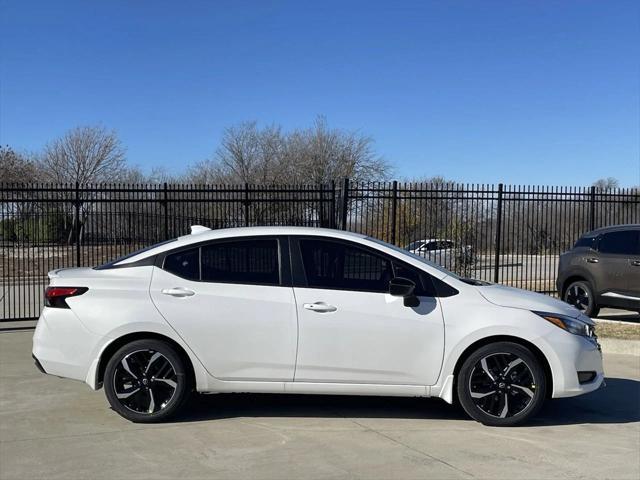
(417, 257)
(132, 254)
(414, 245)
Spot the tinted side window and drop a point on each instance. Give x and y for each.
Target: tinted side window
(185, 264)
(585, 242)
(626, 242)
(245, 261)
(424, 286)
(342, 267)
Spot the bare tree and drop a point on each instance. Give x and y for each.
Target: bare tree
(84, 155)
(318, 154)
(606, 183)
(16, 167)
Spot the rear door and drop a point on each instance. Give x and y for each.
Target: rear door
(232, 302)
(350, 329)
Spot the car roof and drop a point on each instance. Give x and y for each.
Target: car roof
(202, 234)
(612, 228)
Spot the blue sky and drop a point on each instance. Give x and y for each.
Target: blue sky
(543, 92)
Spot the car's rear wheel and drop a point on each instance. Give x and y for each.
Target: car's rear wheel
(146, 381)
(580, 295)
(501, 384)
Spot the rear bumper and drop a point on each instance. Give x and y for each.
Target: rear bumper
(62, 346)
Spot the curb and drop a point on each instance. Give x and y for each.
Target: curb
(620, 346)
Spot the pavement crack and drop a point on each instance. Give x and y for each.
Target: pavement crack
(413, 449)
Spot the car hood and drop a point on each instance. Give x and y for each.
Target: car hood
(517, 298)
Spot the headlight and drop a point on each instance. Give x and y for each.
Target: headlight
(571, 325)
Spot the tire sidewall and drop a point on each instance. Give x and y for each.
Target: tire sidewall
(182, 388)
(532, 362)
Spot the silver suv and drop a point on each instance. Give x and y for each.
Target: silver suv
(602, 270)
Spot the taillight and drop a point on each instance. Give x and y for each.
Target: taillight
(56, 296)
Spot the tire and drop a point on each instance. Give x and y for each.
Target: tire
(501, 384)
(580, 295)
(146, 381)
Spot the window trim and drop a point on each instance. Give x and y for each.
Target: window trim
(284, 267)
(299, 276)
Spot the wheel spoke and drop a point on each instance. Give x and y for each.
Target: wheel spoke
(153, 358)
(483, 362)
(505, 410)
(512, 364)
(526, 390)
(168, 381)
(482, 395)
(152, 403)
(127, 394)
(125, 364)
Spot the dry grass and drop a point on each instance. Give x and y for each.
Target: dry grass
(626, 331)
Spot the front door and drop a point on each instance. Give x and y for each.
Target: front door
(227, 301)
(351, 330)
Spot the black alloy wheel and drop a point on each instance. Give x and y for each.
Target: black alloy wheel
(501, 384)
(146, 381)
(580, 295)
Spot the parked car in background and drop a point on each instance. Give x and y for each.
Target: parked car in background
(308, 310)
(442, 251)
(602, 270)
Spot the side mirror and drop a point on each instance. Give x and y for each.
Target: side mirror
(403, 287)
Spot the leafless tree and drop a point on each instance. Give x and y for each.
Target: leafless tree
(16, 167)
(84, 155)
(606, 183)
(268, 155)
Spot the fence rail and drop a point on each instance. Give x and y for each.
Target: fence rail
(501, 233)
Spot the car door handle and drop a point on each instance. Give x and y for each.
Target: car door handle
(592, 260)
(178, 292)
(320, 307)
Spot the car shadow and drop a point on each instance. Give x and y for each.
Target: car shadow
(617, 403)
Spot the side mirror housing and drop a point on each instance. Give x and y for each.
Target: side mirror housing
(403, 287)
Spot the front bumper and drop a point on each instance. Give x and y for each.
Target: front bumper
(575, 354)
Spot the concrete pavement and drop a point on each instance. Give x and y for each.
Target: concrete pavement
(54, 428)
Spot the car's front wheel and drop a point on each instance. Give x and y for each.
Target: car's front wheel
(501, 384)
(580, 295)
(146, 381)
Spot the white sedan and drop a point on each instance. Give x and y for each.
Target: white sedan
(301, 310)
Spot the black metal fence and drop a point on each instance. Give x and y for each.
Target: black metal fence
(504, 233)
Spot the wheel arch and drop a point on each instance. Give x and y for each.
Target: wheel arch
(119, 342)
(546, 366)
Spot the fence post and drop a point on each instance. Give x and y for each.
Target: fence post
(77, 225)
(345, 202)
(321, 205)
(592, 208)
(496, 272)
(333, 204)
(394, 201)
(165, 204)
(246, 204)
